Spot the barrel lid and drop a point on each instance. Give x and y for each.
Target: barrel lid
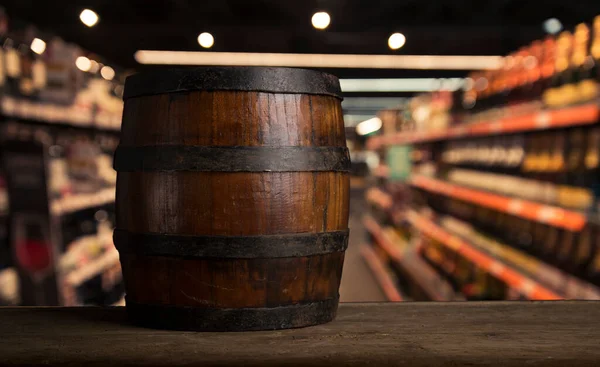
(247, 78)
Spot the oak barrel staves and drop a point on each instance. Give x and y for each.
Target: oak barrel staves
(232, 198)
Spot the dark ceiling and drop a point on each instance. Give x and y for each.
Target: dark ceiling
(468, 27)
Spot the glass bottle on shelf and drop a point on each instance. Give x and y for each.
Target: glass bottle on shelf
(547, 68)
(12, 65)
(593, 270)
(584, 251)
(26, 86)
(539, 233)
(533, 151)
(544, 162)
(575, 166)
(564, 253)
(555, 96)
(592, 161)
(551, 244)
(584, 87)
(595, 55)
(532, 74)
(3, 39)
(519, 80)
(39, 74)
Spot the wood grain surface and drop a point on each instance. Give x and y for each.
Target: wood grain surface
(561, 333)
(233, 119)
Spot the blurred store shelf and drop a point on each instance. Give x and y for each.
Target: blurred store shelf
(552, 215)
(543, 120)
(97, 266)
(528, 286)
(74, 202)
(433, 286)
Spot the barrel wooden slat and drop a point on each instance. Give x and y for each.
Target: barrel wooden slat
(234, 119)
(211, 203)
(212, 289)
(234, 283)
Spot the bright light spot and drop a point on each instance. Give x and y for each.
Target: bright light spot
(83, 63)
(421, 113)
(396, 41)
(206, 40)
(38, 46)
(101, 215)
(369, 126)
(530, 62)
(119, 91)
(94, 67)
(481, 84)
(469, 84)
(88, 17)
(552, 26)
(509, 62)
(321, 20)
(107, 73)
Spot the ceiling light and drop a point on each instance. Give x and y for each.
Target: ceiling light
(396, 41)
(369, 126)
(83, 63)
(206, 40)
(401, 85)
(320, 20)
(107, 72)
(38, 46)
(88, 17)
(421, 62)
(94, 67)
(552, 26)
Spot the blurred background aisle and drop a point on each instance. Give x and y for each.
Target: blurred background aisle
(358, 282)
(473, 131)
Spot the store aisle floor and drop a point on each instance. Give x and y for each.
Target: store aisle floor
(358, 283)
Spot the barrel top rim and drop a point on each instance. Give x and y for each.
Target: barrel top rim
(233, 78)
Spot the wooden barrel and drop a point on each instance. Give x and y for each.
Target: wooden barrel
(232, 198)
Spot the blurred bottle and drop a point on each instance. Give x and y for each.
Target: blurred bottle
(12, 65)
(586, 85)
(550, 243)
(532, 64)
(517, 81)
(556, 163)
(595, 51)
(556, 95)
(592, 166)
(3, 39)
(575, 164)
(533, 152)
(565, 251)
(547, 68)
(584, 249)
(593, 270)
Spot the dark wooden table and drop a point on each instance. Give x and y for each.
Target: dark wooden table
(400, 334)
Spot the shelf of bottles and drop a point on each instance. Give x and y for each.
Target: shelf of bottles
(69, 101)
(504, 186)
